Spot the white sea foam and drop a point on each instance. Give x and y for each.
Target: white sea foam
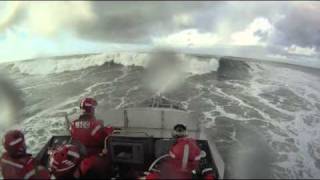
(194, 65)
(305, 86)
(303, 151)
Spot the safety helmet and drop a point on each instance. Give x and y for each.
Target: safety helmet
(14, 143)
(88, 105)
(63, 159)
(179, 130)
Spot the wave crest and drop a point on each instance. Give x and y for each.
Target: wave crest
(193, 64)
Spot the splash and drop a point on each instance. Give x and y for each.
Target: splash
(165, 71)
(10, 103)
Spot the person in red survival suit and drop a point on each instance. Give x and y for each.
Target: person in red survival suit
(92, 134)
(64, 161)
(185, 160)
(16, 163)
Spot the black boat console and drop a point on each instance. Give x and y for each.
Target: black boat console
(128, 154)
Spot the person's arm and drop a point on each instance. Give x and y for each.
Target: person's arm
(1, 174)
(97, 131)
(67, 123)
(108, 130)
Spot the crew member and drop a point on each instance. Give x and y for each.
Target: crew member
(92, 134)
(185, 161)
(88, 130)
(64, 161)
(16, 163)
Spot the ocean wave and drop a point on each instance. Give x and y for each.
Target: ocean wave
(192, 64)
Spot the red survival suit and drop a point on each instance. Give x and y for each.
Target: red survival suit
(183, 163)
(16, 163)
(91, 133)
(64, 161)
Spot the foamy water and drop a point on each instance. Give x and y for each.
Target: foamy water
(53, 66)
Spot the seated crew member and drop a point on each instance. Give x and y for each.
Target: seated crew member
(92, 134)
(185, 160)
(64, 161)
(16, 163)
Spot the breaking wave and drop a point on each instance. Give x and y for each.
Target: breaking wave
(192, 64)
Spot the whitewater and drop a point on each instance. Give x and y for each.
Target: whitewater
(53, 66)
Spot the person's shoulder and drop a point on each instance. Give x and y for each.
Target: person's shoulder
(76, 117)
(190, 138)
(187, 140)
(72, 123)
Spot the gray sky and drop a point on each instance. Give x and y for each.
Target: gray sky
(33, 29)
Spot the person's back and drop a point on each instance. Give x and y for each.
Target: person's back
(91, 133)
(16, 163)
(88, 130)
(184, 160)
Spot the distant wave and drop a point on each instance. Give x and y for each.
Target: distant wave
(193, 64)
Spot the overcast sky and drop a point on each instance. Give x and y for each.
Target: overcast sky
(282, 29)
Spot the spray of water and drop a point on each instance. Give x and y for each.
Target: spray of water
(10, 103)
(165, 71)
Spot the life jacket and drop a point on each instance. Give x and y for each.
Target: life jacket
(89, 132)
(64, 160)
(185, 150)
(22, 168)
(184, 158)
